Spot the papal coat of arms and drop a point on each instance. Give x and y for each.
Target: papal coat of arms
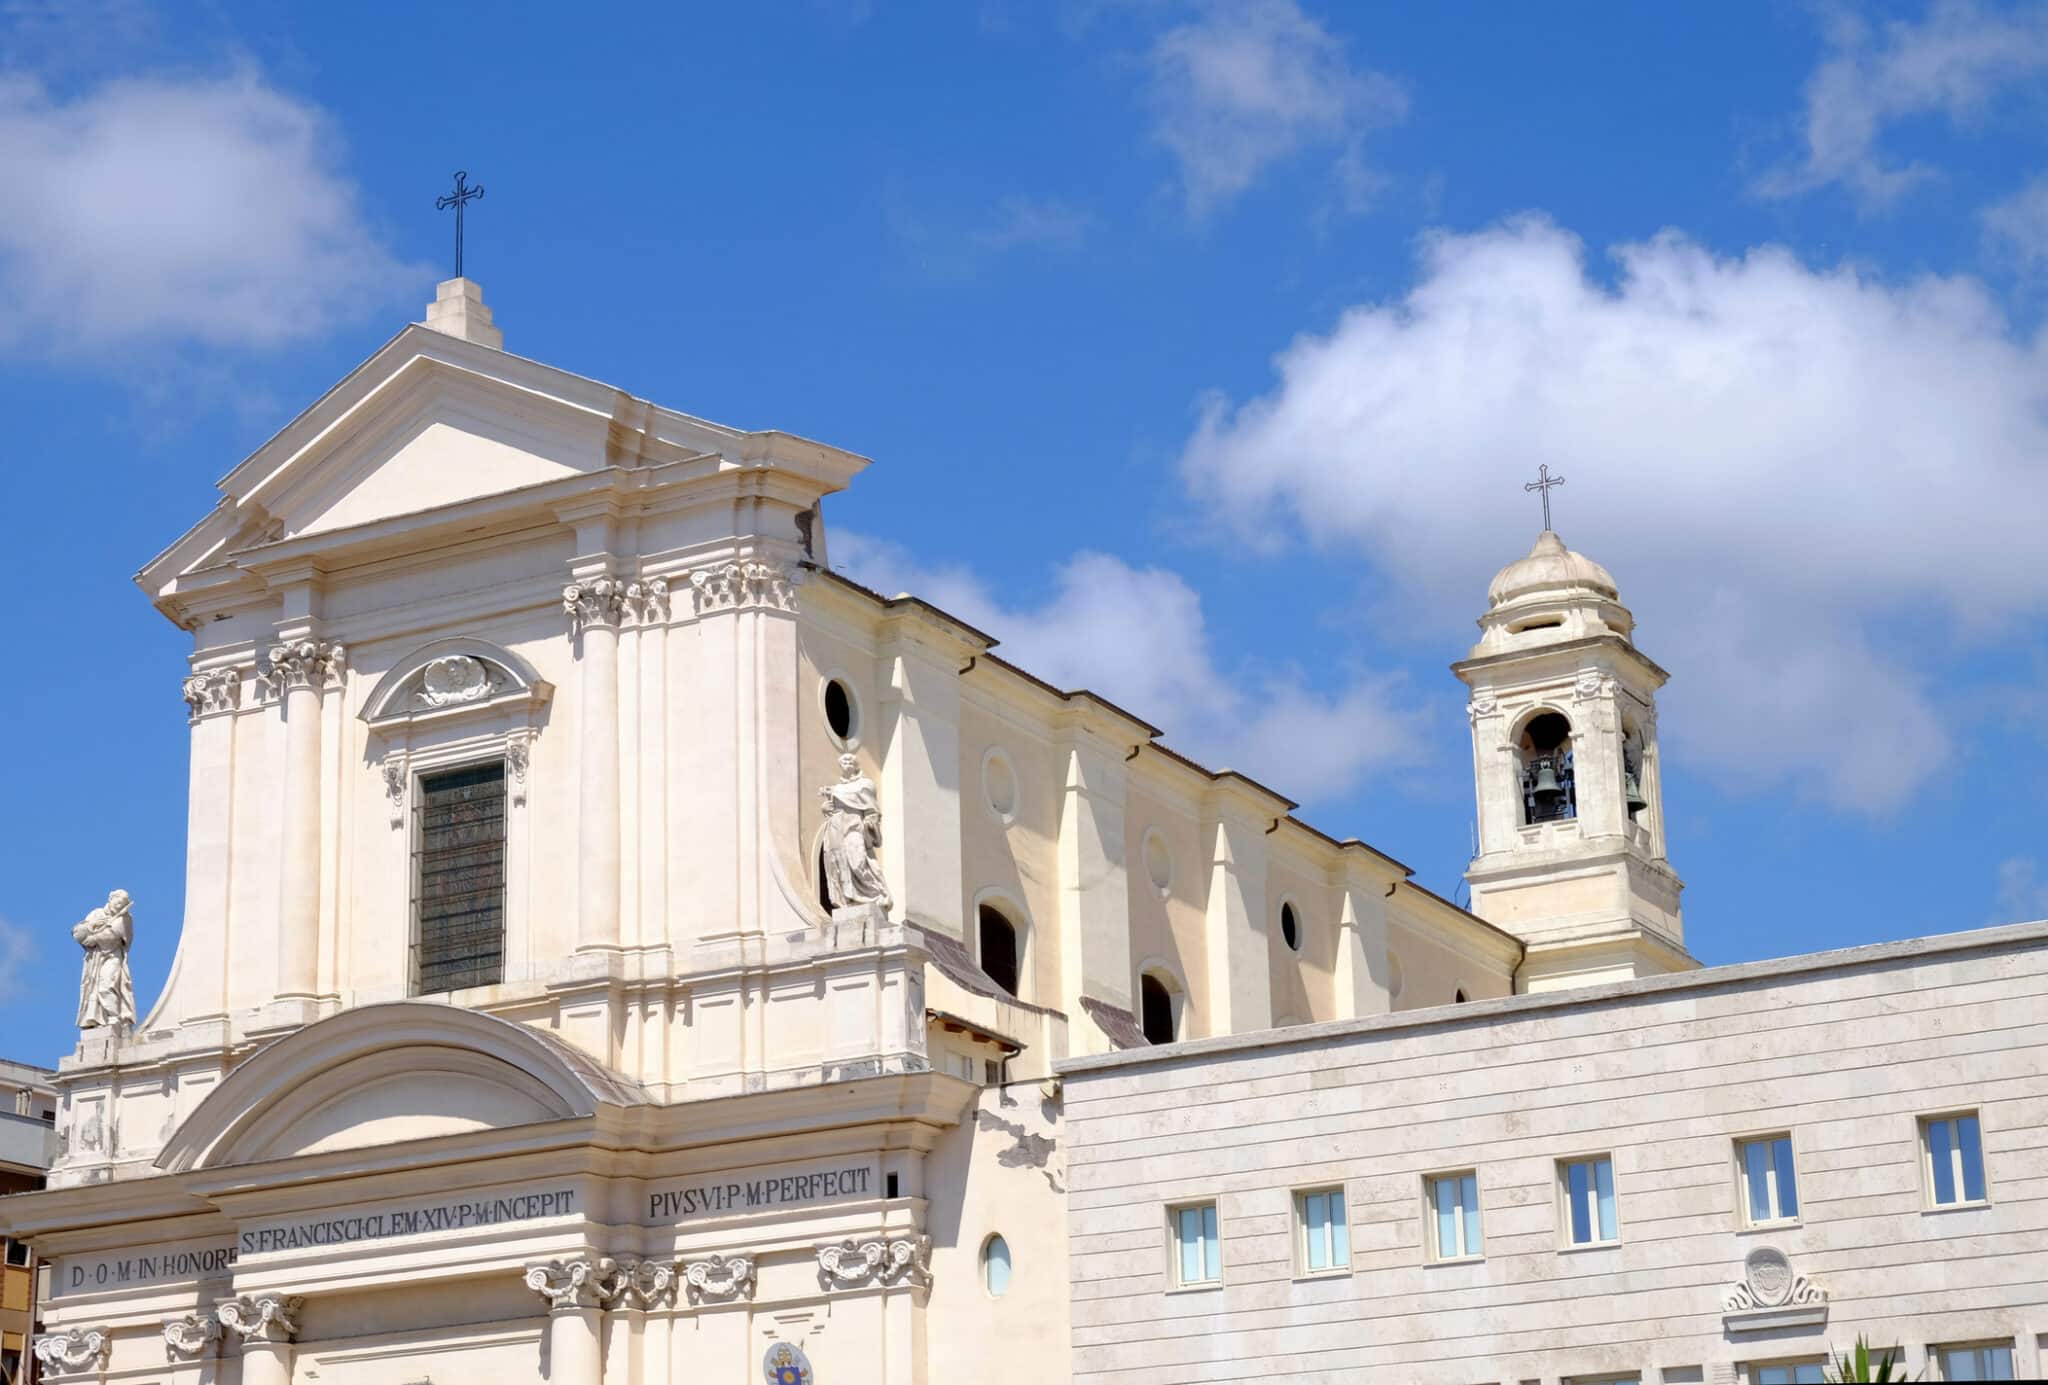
(786, 1365)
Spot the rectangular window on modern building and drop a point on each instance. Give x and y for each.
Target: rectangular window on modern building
(1454, 1215)
(459, 878)
(15, 1253)
(1197, 1256)
(1324, 1235)
(1952, 1150)
(1588, 1189)
(1981, 1361)
(1770, 1189)
(1810, 1372)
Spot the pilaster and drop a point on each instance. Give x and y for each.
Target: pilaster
(1236, 818)
(301, 666)
(1094, 893)
(922, 656)
(1360, 974)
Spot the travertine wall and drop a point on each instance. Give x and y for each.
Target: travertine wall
(1843, 1050)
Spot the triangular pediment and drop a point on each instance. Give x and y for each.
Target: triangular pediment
(449, 446)
(433, 425)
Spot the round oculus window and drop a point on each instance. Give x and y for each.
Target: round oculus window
(839, 715)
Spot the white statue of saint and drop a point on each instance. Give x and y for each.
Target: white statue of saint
(853, 836)
(106, 993)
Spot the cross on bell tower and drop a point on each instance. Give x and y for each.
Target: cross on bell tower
(1542, 484)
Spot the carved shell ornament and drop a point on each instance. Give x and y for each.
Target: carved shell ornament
(786, 1364)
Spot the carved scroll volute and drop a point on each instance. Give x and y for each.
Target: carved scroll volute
(719, 1278)
(74, 1351)
(263, 1317)
(192, 1336)
(567, 1285)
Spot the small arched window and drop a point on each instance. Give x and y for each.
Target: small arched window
(1001, 961)
(1155, 1009)
(1459, 998)
(1549, 784)
(995, 1266)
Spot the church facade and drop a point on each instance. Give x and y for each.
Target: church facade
(617, 948)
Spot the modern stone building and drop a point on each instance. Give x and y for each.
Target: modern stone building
(28, 1142)
(617, 948)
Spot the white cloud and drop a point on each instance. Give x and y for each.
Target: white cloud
(2020, 223)
(149, 209)
(2022, 892)
(1024, 221)
(17, 950)
(1137, 636)
(1016, 223)
(1808, 482)
(1248, 83)
(1951, 65)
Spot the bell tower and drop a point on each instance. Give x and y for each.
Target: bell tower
(1568, 776)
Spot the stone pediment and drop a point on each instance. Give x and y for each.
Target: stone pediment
(384, 1074)
(433, 425)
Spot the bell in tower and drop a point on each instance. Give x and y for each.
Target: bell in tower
(1565, 765)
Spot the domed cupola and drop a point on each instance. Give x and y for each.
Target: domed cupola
(1553, 594)
(1569, 780)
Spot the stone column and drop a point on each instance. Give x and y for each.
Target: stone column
(299, 669)
(593, 605)
(266, 1325)
(576, 1291)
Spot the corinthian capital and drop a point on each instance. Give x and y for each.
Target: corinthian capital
(586, 1282)
(744, 582)
(213, 690)
(262, 1317)
(594, 601)
(305, 663)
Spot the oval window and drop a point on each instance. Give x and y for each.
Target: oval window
(1290, 927)
(995, 1266)
(1158, 861)
(839, 709)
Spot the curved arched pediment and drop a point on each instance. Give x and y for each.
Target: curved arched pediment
(451, 676)
(386, 1073)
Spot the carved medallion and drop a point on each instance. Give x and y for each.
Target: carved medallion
(784, 1364)
(1772, 1294)
(453, 680)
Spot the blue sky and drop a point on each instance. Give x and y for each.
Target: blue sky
(1202, 350)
